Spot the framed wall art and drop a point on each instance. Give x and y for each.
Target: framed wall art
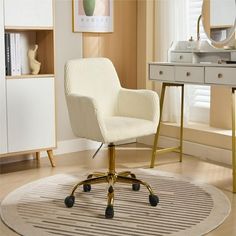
(93, 16)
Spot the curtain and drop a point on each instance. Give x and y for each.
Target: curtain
(171, 18)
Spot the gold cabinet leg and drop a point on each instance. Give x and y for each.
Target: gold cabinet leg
(154, 148)
(233, 141)
(37, 156)
(50, 156)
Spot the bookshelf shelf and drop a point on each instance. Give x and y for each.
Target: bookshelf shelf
(45, 53)
(30, 76)
(27, 101)
(26, 28)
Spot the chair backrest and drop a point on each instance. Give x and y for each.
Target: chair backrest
(96, 78)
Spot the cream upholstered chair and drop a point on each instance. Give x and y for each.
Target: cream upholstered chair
(101, 110)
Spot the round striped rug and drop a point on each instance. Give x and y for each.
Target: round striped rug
(185, 208)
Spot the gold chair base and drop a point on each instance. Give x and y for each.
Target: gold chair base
(111, 177)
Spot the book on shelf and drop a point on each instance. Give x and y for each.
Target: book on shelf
(12, 54)
(18, 53)
(7, 54)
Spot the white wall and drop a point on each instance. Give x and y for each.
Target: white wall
(68, 46)
(222, 12)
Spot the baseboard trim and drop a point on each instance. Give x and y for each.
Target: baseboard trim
(204, 152)
(66, 146)
(201, 151)
(75, 145)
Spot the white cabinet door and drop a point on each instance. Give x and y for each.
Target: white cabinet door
(29, 13)
(31, 114)
(3, 122)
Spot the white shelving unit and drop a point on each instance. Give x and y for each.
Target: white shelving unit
(3, 112)
(27, 102)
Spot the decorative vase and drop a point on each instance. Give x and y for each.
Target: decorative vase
(33, 63)
(89, 6)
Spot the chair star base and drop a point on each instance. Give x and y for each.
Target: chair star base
(111, 177)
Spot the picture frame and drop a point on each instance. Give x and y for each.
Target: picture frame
(92, 16)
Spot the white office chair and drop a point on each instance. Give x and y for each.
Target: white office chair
(101, 110)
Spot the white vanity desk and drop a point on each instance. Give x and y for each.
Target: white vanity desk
(197, 73)
(204, 73)
(198, 62)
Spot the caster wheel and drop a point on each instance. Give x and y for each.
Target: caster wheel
(135, 187)
(87, 187)
(69, 201)
(153, 199)
(109, 214)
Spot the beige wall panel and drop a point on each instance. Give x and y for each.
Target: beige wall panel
(119, 46)
(220, 111)
(206, 16)
(142, 46)
(145, 41)
(201, 135)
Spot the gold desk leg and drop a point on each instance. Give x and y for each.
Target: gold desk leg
(180, 148)
(50, 156)
(181, 124)
(233, 141)
(154, 148)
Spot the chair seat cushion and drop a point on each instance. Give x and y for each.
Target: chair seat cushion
(118, 128)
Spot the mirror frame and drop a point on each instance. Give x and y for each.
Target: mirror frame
(224, 42)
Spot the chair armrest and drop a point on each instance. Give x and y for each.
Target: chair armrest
(85, 119)
(143, 104)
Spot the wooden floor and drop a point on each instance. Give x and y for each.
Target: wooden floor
(17, 174)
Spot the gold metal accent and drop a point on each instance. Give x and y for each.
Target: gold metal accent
(111, 151)
(125, 173)
(170, 149)
(50, 156)
(111, 177)
(37, 156)
(96, 174)
(96, 180)
(110, 198)
(123, 179)
(233, 141)
(198, 27)
(154, 148)
(156, 151)
(181, 124)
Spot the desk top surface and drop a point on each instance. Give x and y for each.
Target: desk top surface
(204, 64)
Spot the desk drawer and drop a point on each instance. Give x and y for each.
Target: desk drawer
(181, 57)
(221, 75)
(161, 73)
(189, 74)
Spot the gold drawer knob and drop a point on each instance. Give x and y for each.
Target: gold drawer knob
(160, 72)
(220, 76)
(188, 74)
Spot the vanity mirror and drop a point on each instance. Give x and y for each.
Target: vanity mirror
(219, 21)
